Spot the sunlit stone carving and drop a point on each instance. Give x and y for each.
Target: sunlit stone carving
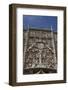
(40, 51)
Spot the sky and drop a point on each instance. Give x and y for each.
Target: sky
(40, 21)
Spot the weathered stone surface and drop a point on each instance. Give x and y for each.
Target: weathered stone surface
(40, 50)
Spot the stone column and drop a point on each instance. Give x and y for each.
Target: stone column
(53, 44)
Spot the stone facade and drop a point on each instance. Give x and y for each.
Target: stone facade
(40, 51)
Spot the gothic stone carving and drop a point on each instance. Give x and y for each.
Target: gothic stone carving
(40, 55)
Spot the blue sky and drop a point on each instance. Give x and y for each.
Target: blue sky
(40, 21)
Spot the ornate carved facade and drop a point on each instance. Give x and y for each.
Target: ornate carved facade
(40, 51)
